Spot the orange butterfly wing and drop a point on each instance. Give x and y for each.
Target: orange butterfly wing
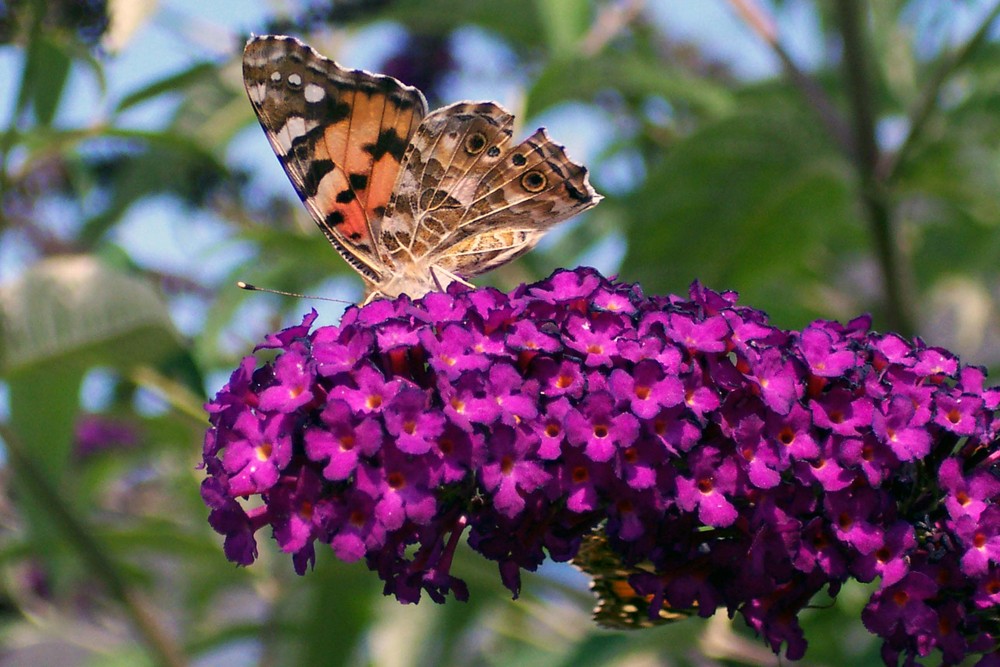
(340, 136)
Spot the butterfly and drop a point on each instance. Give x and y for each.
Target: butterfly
(412, 200)
(619, 605)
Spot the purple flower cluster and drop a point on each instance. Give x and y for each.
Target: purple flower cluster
(748, 466)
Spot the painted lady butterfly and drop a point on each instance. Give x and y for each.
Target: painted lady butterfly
(412, 200)
(619, 606)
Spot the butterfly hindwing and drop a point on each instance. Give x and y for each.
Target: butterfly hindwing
(340, 136)
(466, 201)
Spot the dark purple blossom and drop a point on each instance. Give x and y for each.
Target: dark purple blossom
(746, 466)
(97, 433)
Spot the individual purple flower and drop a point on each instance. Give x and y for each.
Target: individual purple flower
(842, 412)
(451, 352)
(299, 513)
(286, 338)
(341, 440)
(903, 607)
(867, 456)
(400, 491)
(513, 398)
(825, 355)
(699, 396)
(461, 452)
(851, 512)
(935, 361)
(897, 426)
(525, 336)
(816, 549)
(762, 460)
(713, 477)
(356, 530)
(259, 452)
(413, 428)
(776, 379)
(552, 431)
(968, 495)
(891, 560)
(510, 473)
(987, 595)
(559, 378)
(229, 518)
(707, 335)
(981, 539)
(958, 413)
(370, 390)
(826, 469)
(646, 388)
(340, 351)
(793, 432)
(600, 429)
(293, 387)
(596, 338)
(675, 429)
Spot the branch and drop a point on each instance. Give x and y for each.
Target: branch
(873, 195)
(760, 23)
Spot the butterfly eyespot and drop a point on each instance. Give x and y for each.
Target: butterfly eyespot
(534, 181)
(294, 80)
(475, 143)
(518, 160)
(493, 151)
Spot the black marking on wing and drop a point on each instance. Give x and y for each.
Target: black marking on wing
(388, 142)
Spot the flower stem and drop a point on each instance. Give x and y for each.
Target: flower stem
(857, 60)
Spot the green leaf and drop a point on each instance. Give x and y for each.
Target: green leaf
(73, 312)
(46, 69)
(752, 203)
(631, 74)
(564, 22)
(175, 82)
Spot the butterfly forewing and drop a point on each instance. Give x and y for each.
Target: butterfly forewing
(340, 135)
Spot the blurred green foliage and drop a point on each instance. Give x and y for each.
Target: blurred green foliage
(870, 182)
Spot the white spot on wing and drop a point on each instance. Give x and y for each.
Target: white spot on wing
(257, 92)
(314, 92)
(295, 79)
(294, 127)
(275, 76)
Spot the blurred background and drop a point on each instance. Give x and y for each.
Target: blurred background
(823, 159)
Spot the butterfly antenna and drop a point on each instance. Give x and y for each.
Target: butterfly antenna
(253, 288)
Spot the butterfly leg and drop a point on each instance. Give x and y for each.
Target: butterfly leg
(449, 278)
(371, 296)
